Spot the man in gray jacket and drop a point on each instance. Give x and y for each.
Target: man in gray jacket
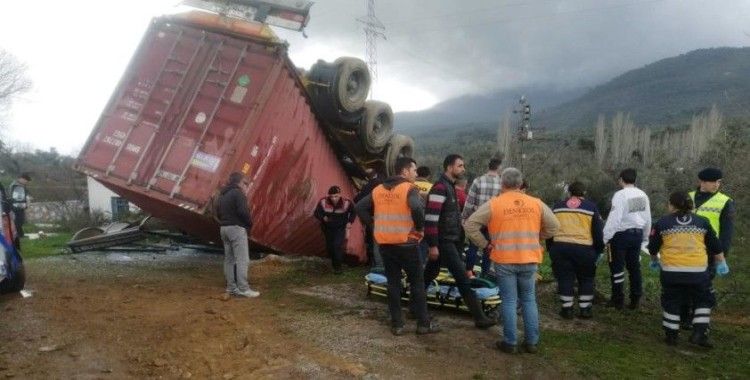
(234, 218)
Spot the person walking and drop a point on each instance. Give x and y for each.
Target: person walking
(236, 224)
(336, 215)
(516, 223)
(626, 231)
(574, 250)
(680, 246)
(396, 212)
(482, 189)
(445, 237)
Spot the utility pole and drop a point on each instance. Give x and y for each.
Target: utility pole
(524, 127)
(374, 29)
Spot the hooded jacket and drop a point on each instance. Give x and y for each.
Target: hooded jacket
(233, 209)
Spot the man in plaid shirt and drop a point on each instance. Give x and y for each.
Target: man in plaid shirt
(482, 189)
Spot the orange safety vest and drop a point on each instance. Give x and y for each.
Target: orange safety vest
(393, 221)
(515, 223)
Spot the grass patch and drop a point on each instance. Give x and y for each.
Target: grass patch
(50, 246)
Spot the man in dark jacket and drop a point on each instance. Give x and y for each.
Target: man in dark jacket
(234, 216)
(445, 236)
(373, 253)
(336, 215)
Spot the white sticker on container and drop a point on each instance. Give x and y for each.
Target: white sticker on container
(238, 95)
(119, 134)
(112, 141)
(254, 152)
(133, 148)
(200, 118)
(205, 161)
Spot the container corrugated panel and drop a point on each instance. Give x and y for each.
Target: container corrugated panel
(196, 104)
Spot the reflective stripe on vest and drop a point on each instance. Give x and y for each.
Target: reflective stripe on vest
(684, 249)
(515, 223)
(393, 221)
(711, 209)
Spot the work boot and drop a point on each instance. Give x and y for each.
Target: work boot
(480, 319)
(634, 303)
(429, 329)
(617, 305)
(530, 348)
(700, 338)
(670, 337)
(506, 347)
(585, 313)
(567, 313)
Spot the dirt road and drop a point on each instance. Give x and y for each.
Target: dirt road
(116, 316)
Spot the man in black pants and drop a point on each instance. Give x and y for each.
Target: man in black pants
(397, 213)
(445, 236)
(336, 215)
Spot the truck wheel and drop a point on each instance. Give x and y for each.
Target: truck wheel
(398, 146)
(376, 127)
(352, 84)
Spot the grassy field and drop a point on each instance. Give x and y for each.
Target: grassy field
(49, 246)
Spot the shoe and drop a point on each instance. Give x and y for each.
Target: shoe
(397, 331)
(506, 347)
(430, 329)
(585, 313)
(531, 348)
(670, 339)
(247, 293)
(616, 305)
(567, 313)
(700, 339)
(634, 304)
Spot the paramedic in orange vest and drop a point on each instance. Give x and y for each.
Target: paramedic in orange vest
(397, 212)
(516, 222)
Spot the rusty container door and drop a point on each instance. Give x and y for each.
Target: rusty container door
(198, 104)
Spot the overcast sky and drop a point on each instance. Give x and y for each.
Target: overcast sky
(77, 50)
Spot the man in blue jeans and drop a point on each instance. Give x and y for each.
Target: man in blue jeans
(515, 222)
(627, 233)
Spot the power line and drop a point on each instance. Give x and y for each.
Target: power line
(374, 29)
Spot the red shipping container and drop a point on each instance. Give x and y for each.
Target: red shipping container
(205, 96)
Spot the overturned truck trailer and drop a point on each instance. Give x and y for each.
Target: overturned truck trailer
(206, 95)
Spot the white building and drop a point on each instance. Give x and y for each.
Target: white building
(104, 200)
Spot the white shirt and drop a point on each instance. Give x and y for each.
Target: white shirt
(630, 209)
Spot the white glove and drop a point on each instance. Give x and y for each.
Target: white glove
(644, 248)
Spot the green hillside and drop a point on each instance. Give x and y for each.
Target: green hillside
(665, 92)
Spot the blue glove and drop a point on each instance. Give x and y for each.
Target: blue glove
(654, 265)
(722, 269)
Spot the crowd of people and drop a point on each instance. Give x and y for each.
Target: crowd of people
(416, 226)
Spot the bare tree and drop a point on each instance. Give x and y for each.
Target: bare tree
(601, 140)
(13, 79)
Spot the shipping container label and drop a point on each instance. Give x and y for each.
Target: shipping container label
(238, 95)
(205, 161)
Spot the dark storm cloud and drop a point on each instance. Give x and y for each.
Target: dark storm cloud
(454, 47)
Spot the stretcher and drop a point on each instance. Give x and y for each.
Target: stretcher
(442, 293)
